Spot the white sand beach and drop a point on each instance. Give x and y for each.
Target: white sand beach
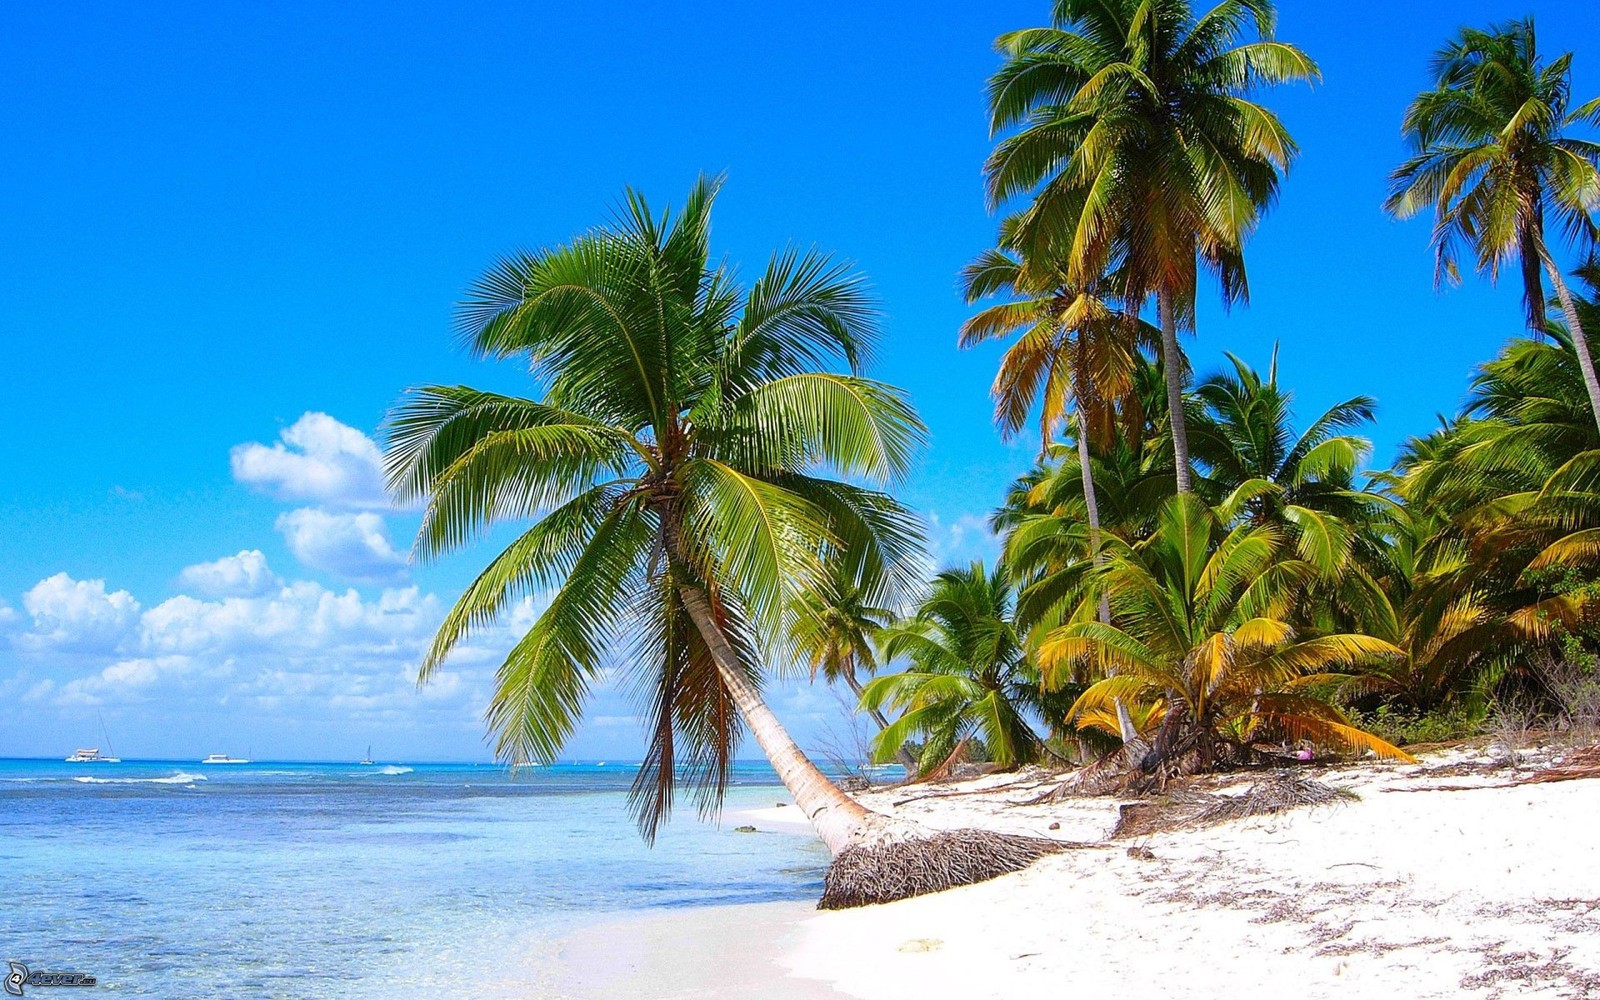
(1447, 879)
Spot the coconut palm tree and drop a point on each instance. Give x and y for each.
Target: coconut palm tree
(1073, 349)
(677, 472)
(1244, 436)
(1493, 157)
(836, 633)
(1135, 135)
(970, 674)
(1204, 642)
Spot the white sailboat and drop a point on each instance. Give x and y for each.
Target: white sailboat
(368, 758)
(92, 755)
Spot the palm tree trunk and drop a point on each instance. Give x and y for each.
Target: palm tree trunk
(1580, 343)
(1172, 366)
(1091, 500)
(1532, 286)
(902, 754)
(834, 815)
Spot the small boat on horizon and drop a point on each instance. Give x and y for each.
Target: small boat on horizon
(368, 758)
(222, 758)
(92, 755)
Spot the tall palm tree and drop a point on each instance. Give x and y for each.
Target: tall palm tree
(970, 674)
(1073, 350)
(1205, 642)
(677, 471)
(1135, 134)
(1493, 158)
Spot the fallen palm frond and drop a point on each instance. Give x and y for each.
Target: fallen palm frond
(1186, 810)
(882, 873)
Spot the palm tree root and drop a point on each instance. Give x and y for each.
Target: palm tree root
(886, 868)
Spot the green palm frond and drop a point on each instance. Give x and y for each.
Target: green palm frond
(694, 450)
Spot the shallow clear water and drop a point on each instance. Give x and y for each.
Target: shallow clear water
(174, 879)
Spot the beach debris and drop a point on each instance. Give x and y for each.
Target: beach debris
(744, 829)
(926, 861)
(1503, 754)
(1583, 763)
(921, 944)
(1185, 809)
(1142, 853)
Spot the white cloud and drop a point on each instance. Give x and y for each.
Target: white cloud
(302, 618)
(77, 614)
(242, 575)
(350, 546)
(959, 541)
(317, 458)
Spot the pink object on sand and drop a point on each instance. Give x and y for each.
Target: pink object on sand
(1305, 754)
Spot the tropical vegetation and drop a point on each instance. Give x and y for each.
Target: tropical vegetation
(1190, 577)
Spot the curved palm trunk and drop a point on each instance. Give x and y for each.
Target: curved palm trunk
(1172, 367)
(1091, 501)
(835, 816)
(1580, 343)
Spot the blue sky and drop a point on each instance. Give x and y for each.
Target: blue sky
(220, 219)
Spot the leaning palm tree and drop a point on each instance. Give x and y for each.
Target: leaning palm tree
(679, 473)
(1205, 644)
(1494, 160)
(970, 675)
(1136, 135)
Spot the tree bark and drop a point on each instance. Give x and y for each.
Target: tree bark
(1580, 343)
(835, 816)
(1532, 286)
(1172, 366)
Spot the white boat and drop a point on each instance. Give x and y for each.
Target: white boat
(222, 758)
(92, 755)
(368, 758)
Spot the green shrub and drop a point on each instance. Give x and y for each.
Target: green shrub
(1402, 727)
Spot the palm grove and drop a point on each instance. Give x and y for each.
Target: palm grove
(1190, 579)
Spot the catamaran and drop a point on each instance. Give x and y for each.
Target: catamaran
(368, 758)
(92, 755)
(222, 758)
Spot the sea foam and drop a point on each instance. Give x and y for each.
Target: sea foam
(181, 778)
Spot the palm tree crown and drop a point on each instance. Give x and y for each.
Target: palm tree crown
(970, 674)
(1492, 157)
(676, 472)
(1136, 134)
(1204, 636)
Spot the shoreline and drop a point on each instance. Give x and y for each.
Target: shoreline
(1446, 879)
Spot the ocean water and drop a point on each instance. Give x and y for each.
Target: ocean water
(294, 880)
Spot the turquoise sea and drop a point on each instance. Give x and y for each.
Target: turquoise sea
(174, 879)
